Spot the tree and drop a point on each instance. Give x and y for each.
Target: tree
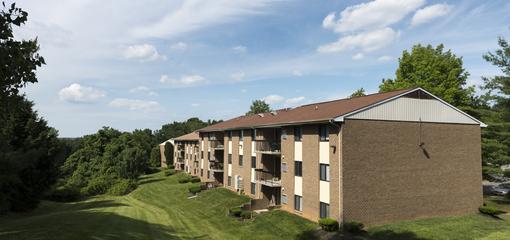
(437, 71)
(29, 149)
(358, 93)
(155, 160)
(169, 154)
(258, 106)
(500, 85)
(175, 129)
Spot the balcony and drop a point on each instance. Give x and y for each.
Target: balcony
(268, 147)
(216, 167)
(268, 179)
(217, 145)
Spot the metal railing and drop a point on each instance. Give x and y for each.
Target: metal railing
(268, 179)
(217, 167)
(270, 147)
(216, 144)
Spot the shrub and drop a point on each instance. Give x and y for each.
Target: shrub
(246, 214)
(506, 173)
(194, 189)
(122, 187)
(96, 186)
(235, 211)
(63, 194)
(169, 172)
(328, 224)
(353, 227)
(195, 179)
(489, 210)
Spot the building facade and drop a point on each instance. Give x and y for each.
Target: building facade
(186, 154)
(375, 159)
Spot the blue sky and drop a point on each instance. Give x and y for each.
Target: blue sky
(140, 64)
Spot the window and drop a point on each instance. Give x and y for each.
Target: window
(297, 134)
(229, 135)
(324, 172)
(324, 210)
(229, 181)
(284, 198)
(284, 167)
(298, 168)
(253, 134)
(253, 188)
(253, 162)
(298, 203)
(229, 158)
(241, 135)
(240, 160)
(209, 155)
(201, 172)
(324, 133)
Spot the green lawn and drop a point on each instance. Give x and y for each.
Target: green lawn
(160, 209)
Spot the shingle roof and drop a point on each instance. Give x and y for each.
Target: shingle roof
(188, 137)
(315, 112)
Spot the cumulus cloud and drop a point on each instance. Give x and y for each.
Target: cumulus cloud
(183, 81)
(384, 58)
(142, 52)
(238, 76)
(179, 46)
(429, 13)
(365, 41)
(239, 49)
(371, 15)
(294, 101)
(272, 99)
(133, 104)
(80, 94)
(358, 56)
(143, 89)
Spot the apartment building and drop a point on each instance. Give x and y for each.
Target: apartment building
(186, 153)
(375, 159)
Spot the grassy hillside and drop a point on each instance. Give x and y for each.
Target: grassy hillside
(160, 209)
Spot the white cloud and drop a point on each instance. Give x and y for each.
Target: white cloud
(143, 89)
(358, 56)
(133, 104)
(366, 41)
(384, 58)
(297, 73)
(239, 49)
(372, 15)
(244, 90)
(81, 94)
(294, 101)
(142, 52)
(193, 15)
(195, 104)
(179, 46)
(238, 76)
(272, 99)
(183, 81)
(428, 13)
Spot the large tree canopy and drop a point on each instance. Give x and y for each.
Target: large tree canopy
(258, 106)
(437, 71)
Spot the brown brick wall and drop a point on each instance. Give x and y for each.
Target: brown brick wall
(288, 177)
(310, 171)
(387, 177)
(334, 171)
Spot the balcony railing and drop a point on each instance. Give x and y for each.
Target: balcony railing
(269, 179)
(217, 145)
(217, 167)
(268, 147)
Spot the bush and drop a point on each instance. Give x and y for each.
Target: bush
(353, 227)
(491, 211)
(328, 224)
(195, 179)
(63, 194)
(506, 173)
(169, 172)
(96, 186)
(122, 187)
(246, 214)
(194, 189)
(235, 211)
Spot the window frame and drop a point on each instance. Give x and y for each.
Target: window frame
(324, 133)
(298, 171)
(324, 172)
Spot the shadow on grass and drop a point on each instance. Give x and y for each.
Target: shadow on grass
(83, 222)
(143, 182)
(378, 235)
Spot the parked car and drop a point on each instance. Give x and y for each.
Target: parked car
(500, 191)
